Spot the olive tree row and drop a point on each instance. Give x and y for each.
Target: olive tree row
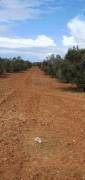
(13, 65)
(70, 69)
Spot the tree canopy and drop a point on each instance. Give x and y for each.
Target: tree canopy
(70, 69)
(15, 64)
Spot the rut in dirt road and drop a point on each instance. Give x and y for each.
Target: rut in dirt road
(34, 105)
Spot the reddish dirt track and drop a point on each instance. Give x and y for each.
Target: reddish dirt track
(34, 105)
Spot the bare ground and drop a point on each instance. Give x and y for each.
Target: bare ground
(34, 105)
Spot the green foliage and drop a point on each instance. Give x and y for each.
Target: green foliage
(13, 65)
(71, 69)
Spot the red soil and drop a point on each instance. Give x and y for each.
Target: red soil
(34, 105)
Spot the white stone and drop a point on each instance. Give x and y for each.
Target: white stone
(38, 140)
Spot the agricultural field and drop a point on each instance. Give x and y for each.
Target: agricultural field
(42, 128)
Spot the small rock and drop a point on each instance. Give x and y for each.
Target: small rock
(38, 140)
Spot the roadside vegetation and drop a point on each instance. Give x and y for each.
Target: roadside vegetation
(15, 64)
(70, 69)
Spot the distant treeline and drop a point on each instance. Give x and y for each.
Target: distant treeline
(70, 69)
(15, 64)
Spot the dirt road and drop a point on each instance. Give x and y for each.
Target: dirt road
(34, 105)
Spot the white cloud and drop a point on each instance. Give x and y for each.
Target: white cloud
(69, 41)
(32, 53)
(38, 48)
(40, 41)
(23, 9)
(77, 33)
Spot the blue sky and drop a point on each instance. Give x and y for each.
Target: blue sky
(35, 29)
